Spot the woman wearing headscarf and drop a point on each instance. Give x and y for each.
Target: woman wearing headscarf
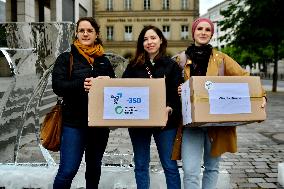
(206, 144)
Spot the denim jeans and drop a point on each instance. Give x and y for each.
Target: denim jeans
(141, 140)
(195, 145)
(74, 142)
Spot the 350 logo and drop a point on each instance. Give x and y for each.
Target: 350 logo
(134, 100)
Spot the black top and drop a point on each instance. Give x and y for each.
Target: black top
(199, 55)
(163, 67)
(75, 107)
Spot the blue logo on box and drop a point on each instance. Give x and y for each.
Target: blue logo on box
(127, 110)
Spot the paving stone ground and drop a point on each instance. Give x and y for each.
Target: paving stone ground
(261, 148)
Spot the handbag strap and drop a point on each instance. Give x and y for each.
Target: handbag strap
(70, 64)
(149, 72)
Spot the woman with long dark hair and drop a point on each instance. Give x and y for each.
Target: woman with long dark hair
(150, 61)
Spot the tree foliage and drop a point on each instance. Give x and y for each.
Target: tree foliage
(243, 57)
(254, 22)
(256, 26)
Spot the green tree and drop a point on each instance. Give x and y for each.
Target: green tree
(243, 57)
(256, 26)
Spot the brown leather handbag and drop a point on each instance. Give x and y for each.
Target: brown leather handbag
(50, 133)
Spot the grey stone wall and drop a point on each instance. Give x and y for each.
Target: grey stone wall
(31, 51)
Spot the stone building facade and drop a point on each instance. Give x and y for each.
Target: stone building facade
(47, 10)
(122, 20)
(2, 11)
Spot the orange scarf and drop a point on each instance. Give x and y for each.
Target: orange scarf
(90, 53)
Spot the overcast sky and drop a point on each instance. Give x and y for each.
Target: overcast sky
(204, 5)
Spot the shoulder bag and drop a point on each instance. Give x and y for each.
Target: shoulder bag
(50, 133)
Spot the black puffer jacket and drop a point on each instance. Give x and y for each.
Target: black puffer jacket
(163, 67)
(75, 108)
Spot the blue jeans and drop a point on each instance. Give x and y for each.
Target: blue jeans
(195, 144)
(141, 140)
(74, 142)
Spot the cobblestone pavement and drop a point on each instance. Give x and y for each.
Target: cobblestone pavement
(261, 148)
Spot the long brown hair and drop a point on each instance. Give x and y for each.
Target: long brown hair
(95, 25)
(141, 54)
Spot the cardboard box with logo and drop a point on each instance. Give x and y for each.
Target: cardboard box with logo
(127, 102)
(222, 101)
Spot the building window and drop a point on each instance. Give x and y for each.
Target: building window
(166, 31)
(166, 4)
(184, 4)
(82, 11)
(127, 4)
(109, 5)
(109, 33)
(184, 32)
(128, 33)
(146, 4)
(14, 10)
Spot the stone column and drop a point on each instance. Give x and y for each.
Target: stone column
(25, 11)
(56, 10)
(8, 11)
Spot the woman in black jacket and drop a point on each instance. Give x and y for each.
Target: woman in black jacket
(151, 62)
(88, 62)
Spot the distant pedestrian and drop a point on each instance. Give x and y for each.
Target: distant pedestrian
(206, 143)
(150, 61)
(88, 62)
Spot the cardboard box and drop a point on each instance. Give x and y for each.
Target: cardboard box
(223, 101)
(127, 102)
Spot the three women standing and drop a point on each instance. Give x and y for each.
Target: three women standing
(150, 61)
